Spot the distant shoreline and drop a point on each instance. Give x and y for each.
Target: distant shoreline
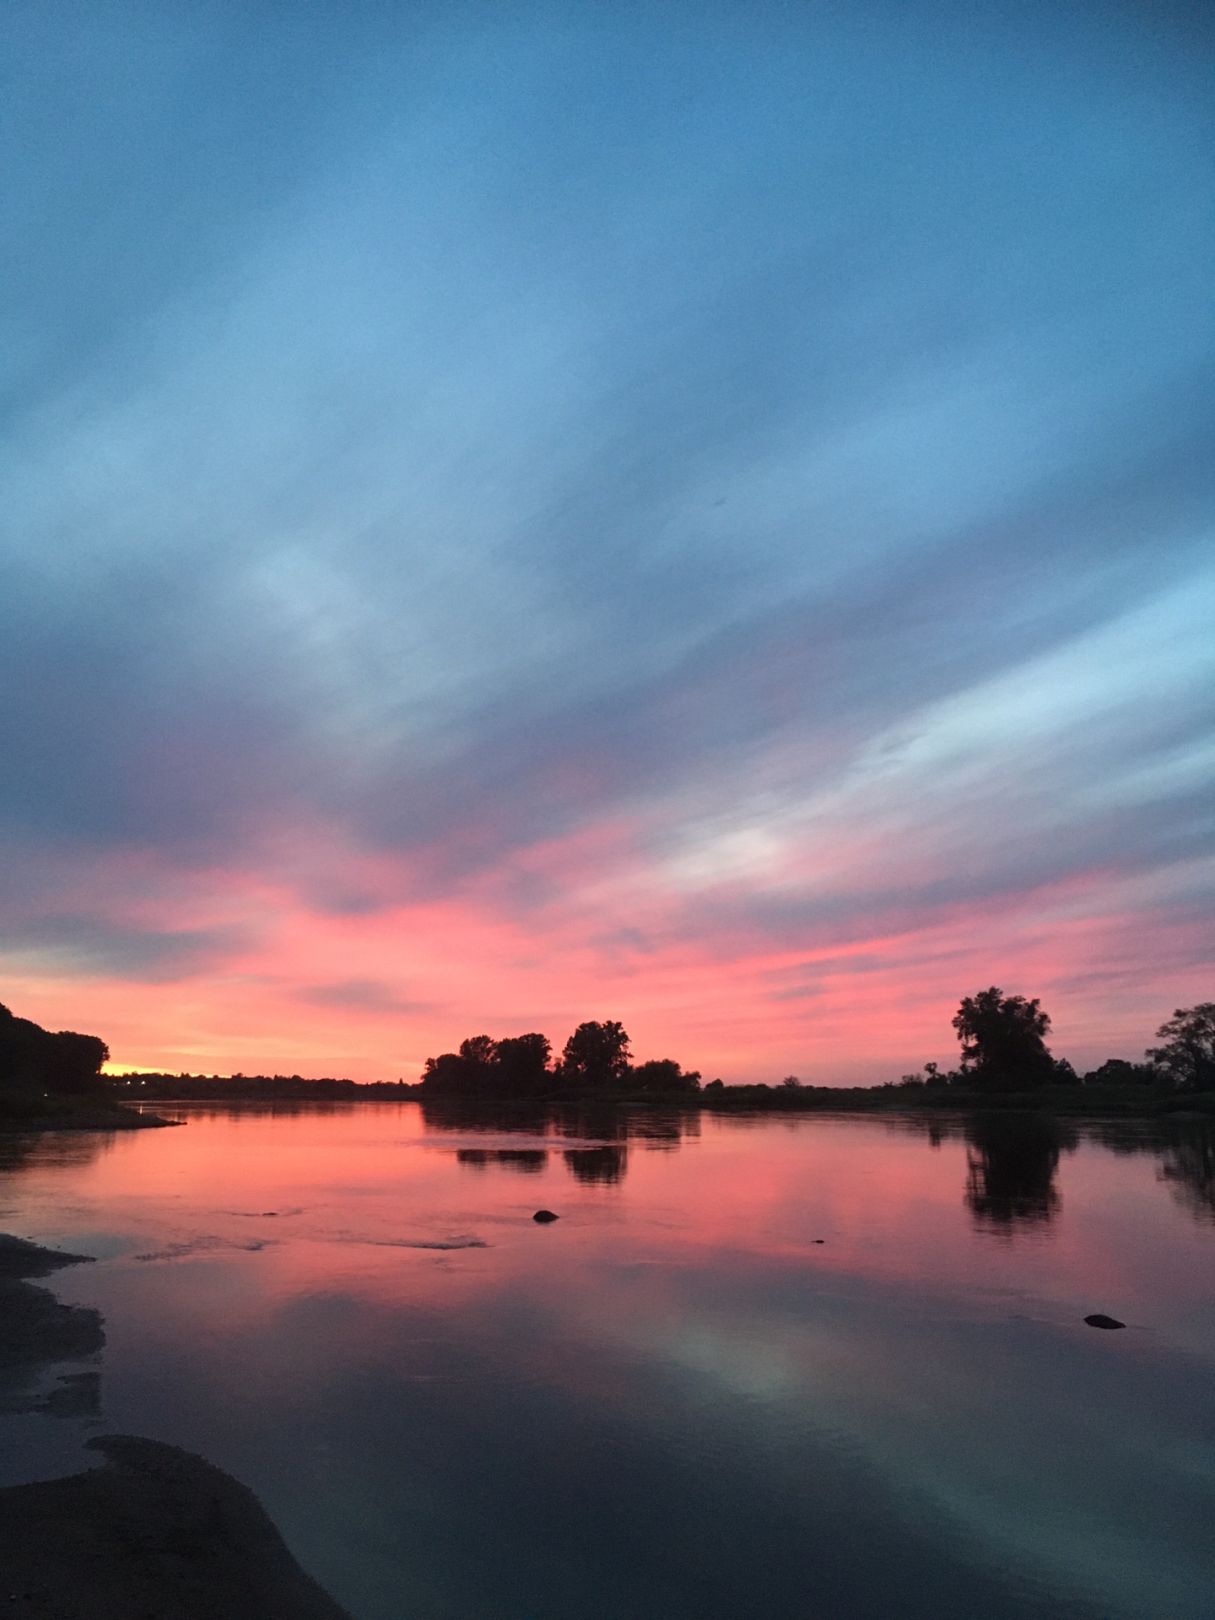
(1075, 1102)
(127, 1110)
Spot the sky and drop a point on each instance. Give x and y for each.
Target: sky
(697, 514)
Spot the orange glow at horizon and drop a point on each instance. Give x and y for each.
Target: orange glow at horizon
(369, 994)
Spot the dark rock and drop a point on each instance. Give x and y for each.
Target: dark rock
(1104, 1321)
(545, 1215)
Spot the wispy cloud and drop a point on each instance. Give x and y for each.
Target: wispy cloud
(712, 519)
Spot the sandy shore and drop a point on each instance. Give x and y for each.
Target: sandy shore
(154, 1533)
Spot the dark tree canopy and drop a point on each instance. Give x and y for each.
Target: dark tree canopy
(1120, 1072)
(35, 1059)
(516, 1066)
(448, 1074)
(521, 1065)
(595, 1058)
(1187, 1054)
(663, 1075)
(596, 1055)
(478, 1050)
(1003, 1041)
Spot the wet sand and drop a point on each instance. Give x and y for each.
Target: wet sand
(154, 1533)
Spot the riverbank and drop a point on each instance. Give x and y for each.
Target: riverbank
(75, 1114)
(154, 1531)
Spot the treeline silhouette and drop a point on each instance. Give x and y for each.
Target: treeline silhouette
(35, 1062)
(596, 1059)
(242, 1087)
(1003, 1042)
(1005, 1062)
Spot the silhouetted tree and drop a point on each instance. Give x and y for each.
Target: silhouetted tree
(1118, 1072)
(73, 1062)
(520, 1065)
(1188, 1053)
(665, 1075)
(448, 1075)
(35, 1059)
(478, 1052)
(1003, 1044)
(596, 1055)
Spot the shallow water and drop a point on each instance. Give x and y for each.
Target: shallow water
(784, 1367)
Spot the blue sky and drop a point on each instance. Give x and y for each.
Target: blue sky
(704, 509)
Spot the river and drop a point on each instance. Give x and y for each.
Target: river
(760, 1366)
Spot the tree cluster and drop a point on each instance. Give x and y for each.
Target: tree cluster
(35, 1060)
(596, 1058)
(1003, 1041)
(1187, 1052)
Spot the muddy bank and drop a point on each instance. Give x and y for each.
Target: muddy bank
(35, 1329)
(154, 1533)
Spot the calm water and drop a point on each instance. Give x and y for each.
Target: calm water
(675, 1400)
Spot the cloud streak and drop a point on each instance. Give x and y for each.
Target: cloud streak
(713, 520)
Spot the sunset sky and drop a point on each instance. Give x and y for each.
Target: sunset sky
(698, 514)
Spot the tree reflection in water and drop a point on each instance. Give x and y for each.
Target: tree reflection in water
(599, 1165)
(524, 1161)
(1012, 1157)
(1187, 1163)
(1185, 1148)
(592, 1137)
(1012, 1161)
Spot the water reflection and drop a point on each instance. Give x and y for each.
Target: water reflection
(1187, 1164)
(354, 1311)
(598, 1134)
(66, 1149)
(1185, 1149)
(1012, 1162)
(601, 1165)
(1012, 1157)
(524, 1161)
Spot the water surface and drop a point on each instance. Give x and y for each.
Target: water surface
(792, 1367)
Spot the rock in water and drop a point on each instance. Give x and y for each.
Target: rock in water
(1104, 1321)
(545, 1215)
